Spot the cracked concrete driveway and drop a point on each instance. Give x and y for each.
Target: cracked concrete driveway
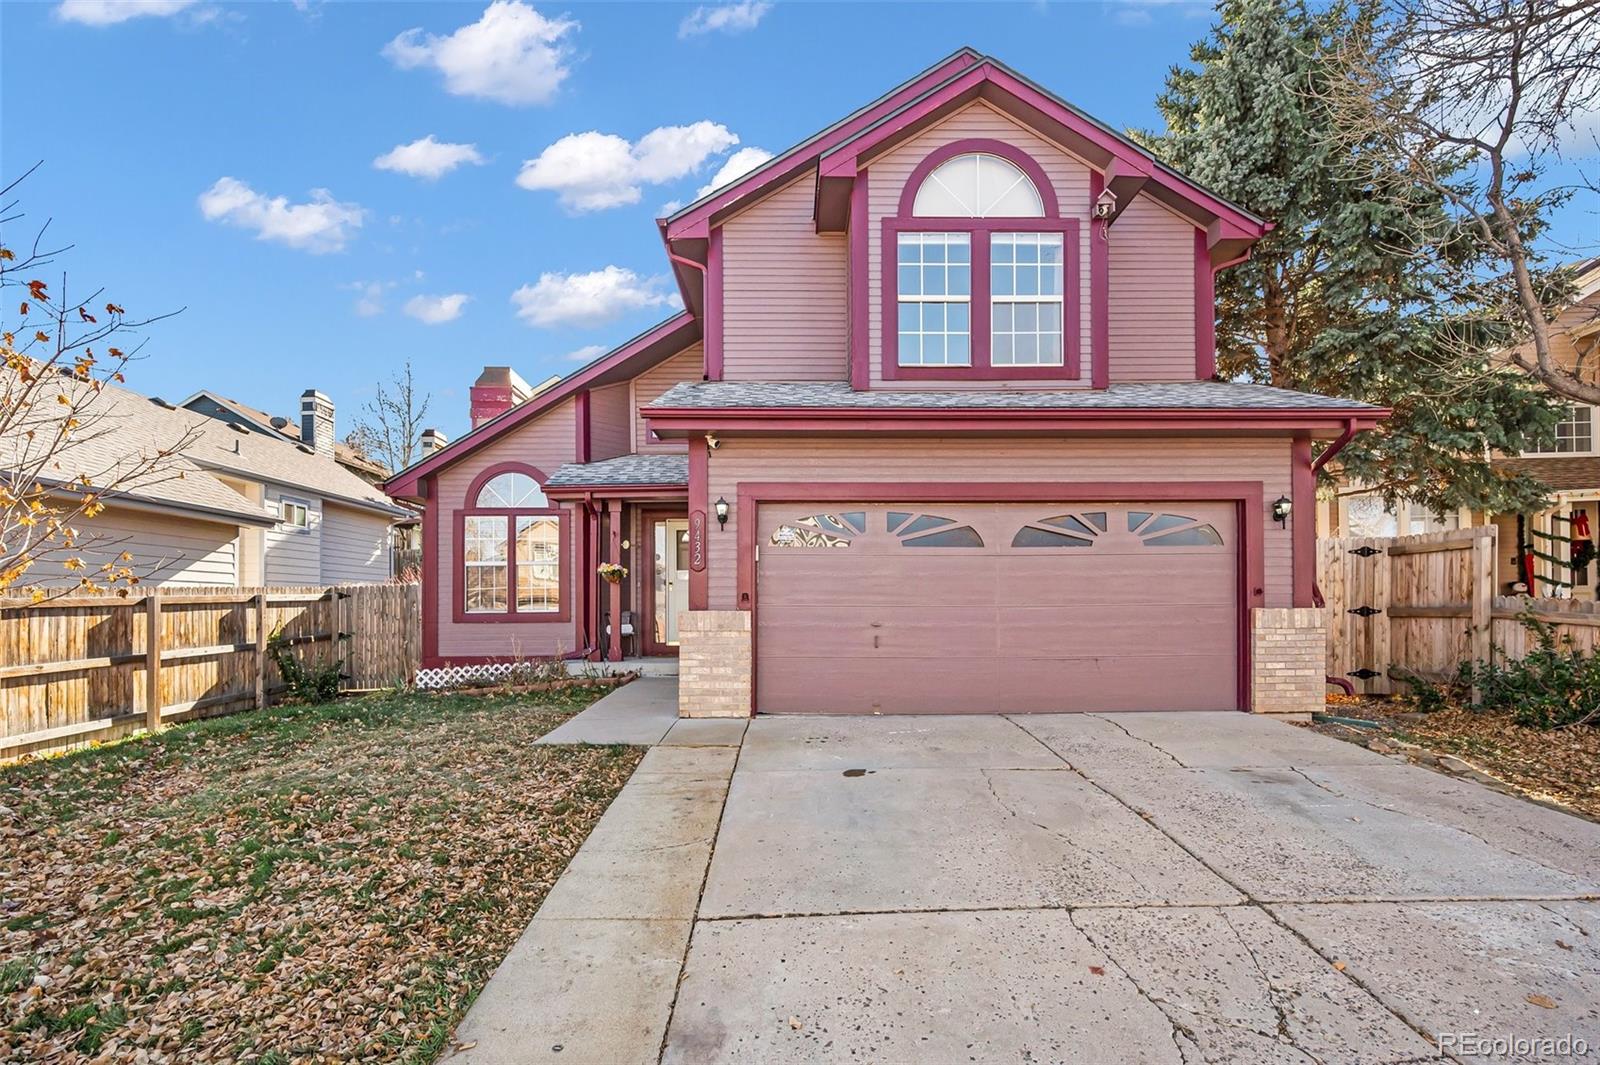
(1093, 888)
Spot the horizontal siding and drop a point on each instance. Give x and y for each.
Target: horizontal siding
(688, 365)
(610, 422)
(784, 305)
(545, 443)
(355, 546)
(887, 176)
(892, 460)
(167, 550)
(1151, 295)
(294, 556)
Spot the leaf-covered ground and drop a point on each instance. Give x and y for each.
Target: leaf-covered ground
(1561, 765)
(297, 884)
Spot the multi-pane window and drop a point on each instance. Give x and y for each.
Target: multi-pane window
(294, 515)
(1025, 287)
(511, 549)
(484, 549)
(935, 291)
(538, 564)
(977, 185)
(1575, 431)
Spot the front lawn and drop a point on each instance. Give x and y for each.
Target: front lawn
(328, 883)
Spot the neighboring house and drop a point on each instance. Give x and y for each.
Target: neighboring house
(1570, 469)
(936, 432)
(236, 508)
(316, 410)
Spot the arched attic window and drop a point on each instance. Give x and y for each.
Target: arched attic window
(985, 270)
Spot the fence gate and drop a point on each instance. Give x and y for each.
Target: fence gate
(1407, 605)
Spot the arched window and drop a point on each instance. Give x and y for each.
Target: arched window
(984, 268)
(513, 550)
(978, 185)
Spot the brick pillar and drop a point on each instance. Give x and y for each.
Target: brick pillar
(714, 663)
(1288, 660)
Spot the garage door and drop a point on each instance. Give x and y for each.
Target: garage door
(942, 608)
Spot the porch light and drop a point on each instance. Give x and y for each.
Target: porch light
(1280, 510)
(721, 506)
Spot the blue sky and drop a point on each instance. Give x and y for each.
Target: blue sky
(224, 158)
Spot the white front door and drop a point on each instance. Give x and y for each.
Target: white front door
(671, 578)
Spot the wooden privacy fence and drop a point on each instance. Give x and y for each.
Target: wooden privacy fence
(80, 669)
(1423, 605)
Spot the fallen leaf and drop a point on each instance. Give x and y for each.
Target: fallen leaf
(1544, 1002)
(1098, 970)
(794, 1022)
(1339, 965)
(1563, 946)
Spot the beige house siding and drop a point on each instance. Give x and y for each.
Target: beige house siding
(293, 556)
(355, 546)
(167, 549)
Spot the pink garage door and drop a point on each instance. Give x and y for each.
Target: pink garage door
(945, 608)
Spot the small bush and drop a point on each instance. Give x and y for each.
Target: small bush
(317, 685)
(1555, 685)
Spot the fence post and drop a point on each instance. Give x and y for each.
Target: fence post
(261, 649)
(152, 660)
(1480, 641)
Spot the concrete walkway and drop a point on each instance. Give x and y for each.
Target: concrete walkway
(1095, 888)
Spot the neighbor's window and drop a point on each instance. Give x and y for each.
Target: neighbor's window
(1575, 431)
(935, 272)
(294, 515)
(511, 549)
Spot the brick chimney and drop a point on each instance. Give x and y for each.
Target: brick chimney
(497, 390)
(432, 440)
(316, 422)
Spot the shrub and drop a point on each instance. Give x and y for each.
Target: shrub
(319, 684)
(1555, 685)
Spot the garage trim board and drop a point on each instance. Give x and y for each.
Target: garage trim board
(1245, 497)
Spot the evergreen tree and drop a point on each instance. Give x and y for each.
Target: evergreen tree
(1364, 289)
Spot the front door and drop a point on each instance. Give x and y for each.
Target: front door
(669, 583)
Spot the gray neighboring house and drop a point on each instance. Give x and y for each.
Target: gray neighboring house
(239, 508)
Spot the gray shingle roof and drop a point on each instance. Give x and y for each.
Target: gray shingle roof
(628, 470)
(1188, 395)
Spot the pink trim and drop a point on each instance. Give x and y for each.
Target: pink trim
(1303, 519)
(981, 230)
(987, 146)
(1099, 290)
(860, 287)
(644, 628)
(614, 591)
(1205, 310)
(1020, 421)
(711, 327)
(633, 493)
(699, 490)
(591, 559)
(430, 569)
(459, 613)
(582, 427)
(1246, 495)
(405, 482)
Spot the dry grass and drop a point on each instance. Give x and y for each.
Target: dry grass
(1561, 766)
(298, 884)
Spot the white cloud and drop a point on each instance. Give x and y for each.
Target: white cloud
(724, 18)
(436, 310)
(512, 55)
(588, 353)
(427, 158)
(593, 171)
(111, 12)
(321, 225)
(589, 299)
(671, 207)
(737, 166)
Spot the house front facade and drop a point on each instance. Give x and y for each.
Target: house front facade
(937, 431)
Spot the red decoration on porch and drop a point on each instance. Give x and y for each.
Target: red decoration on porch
(1580, 523)
(697, 541)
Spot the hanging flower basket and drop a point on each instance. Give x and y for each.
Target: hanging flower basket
(612, 572)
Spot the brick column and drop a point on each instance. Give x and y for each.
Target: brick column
(714, 663)
(1288, 660)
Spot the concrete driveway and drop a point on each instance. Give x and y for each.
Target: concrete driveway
(1134, 887)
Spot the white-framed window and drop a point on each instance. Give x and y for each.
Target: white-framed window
(977, 185)
(935, 293)
(294, 514)
(486, 564)
(538, 564)
(1025, 286)
(1574, 433)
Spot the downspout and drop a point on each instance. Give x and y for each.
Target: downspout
(1316, 592)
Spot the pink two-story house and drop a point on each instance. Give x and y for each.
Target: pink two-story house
(937, 432)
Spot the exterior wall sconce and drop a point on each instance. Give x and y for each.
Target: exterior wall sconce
(1280, 510)
(721, 507)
